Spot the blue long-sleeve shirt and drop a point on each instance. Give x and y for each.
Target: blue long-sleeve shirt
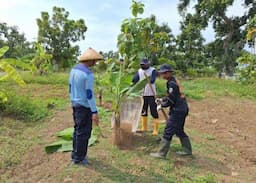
(81, 81)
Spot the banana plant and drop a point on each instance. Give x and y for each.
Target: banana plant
(41, 61)
(118, 84)
(7, 71)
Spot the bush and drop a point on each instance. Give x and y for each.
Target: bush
(207, 72)
(247, 68)
(191, 72)
(24, 108)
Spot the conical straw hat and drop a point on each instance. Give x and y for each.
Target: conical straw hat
(90, 54)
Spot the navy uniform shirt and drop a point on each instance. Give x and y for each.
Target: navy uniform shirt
(174, 99)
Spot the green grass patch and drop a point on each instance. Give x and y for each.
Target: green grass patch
(59, 78)
(15, 139)
(211, 87)
(23, 108)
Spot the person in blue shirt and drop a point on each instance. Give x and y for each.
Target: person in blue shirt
(177, 103)
(85, 112)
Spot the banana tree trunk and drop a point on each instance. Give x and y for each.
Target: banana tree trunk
(117, 129)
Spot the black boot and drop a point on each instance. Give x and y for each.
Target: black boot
(186, 145)
(163, 150)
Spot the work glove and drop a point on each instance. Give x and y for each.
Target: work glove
(158, 101)
(159, 107)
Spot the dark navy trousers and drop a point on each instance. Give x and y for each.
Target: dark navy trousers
(149, 101)
(175, 125)
(82, 132)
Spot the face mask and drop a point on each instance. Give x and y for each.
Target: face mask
(144, 67)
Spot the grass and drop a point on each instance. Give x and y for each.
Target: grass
(54, 78)
(37, 99)
(212, 87)
(15, 140)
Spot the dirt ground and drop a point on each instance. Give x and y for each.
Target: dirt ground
(233, 123)
(228, 122)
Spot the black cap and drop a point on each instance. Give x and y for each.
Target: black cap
(144, 61)
(165, 68)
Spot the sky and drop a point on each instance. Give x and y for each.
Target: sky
(103, 18)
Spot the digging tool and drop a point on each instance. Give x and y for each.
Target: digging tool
(151, 88)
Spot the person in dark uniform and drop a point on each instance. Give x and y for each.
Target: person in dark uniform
(176, 100)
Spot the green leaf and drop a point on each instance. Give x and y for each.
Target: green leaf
(17, 63)
(3, 50)
(56, 146)
(65, 142)
(11, 72)
(66, 134)
(137, 88)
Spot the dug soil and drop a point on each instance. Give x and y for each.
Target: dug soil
(229, 122)
(123, 136)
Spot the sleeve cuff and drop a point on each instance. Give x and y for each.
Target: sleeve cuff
(95, 112)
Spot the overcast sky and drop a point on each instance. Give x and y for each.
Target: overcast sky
(102, 17)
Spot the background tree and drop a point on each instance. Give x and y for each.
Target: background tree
(190, 44)
(16, 41)
(229, 30)
(143, 37)
(247, 62)
(58, 34)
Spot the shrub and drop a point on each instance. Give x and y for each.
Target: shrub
(24, 108)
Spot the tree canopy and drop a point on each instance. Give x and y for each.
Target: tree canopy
(58, 35)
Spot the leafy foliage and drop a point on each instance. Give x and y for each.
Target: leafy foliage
(23, 108)
(230, 34)
(58, 34)
(143, 37)
(16, 41)
(65, 142)
(247, 68)
(9, 72)
(41, 61)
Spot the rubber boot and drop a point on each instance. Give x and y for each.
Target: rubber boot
(155, 127)
(163, 150)
(144, 124)
(186, 145)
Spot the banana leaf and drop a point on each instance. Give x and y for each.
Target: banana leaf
(18, 63)
(65, 143)
(11, 72)
(3, 50)
(135, 89)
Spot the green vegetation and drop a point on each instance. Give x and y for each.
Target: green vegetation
(211, 87)
(58, 34)
(31, 91)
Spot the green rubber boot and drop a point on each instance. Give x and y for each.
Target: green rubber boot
(186, 145)
(163, 150)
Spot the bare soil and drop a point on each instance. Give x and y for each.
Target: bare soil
(232, 123)
(123, 136)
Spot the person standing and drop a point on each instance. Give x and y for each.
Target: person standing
(85, 112)
(176, 100)
(148, 94)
